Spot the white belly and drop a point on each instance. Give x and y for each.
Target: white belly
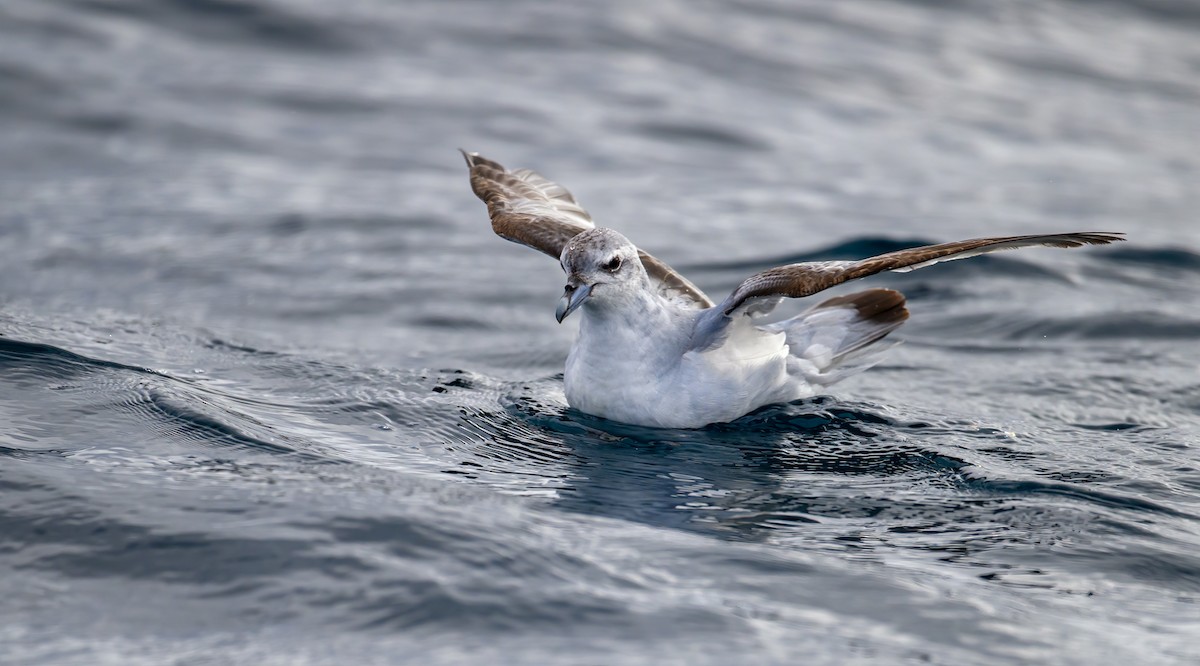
(652, 382)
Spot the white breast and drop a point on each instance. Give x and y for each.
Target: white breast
(644, 375)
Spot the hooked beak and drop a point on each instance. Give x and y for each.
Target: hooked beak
(572, 298)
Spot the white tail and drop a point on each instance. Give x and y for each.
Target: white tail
(841, 336)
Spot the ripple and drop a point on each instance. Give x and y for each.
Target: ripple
(1171, 258)
(1145, 325)
(87, 544)
(102, 395)
(1076, 492)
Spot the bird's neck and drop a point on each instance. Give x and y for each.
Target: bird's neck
(629, 321)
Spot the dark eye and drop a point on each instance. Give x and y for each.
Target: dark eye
(613, 264)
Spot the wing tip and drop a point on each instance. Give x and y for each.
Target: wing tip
(1106, 237)
(475, 160)
(1093, 238)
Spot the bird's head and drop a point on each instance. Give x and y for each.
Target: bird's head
(602, 267)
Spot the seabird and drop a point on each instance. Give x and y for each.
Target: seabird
(654, 350)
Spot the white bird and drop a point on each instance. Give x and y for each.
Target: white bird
(653, 350)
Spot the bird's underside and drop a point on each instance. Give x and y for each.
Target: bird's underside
(529, 209)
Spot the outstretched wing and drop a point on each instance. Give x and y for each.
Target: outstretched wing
(525, 207)
(805, 279)
(529, 209)
(760, 292)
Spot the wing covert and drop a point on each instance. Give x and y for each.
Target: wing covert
(527, 208)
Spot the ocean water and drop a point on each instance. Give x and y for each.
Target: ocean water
(271, 392)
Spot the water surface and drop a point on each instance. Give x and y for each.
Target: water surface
(272, 392)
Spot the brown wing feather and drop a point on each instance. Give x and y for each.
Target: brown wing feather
(532, 210)
(525, 207)
(798, 280)
(671, 281)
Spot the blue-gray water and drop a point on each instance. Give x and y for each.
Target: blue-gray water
(271, 392)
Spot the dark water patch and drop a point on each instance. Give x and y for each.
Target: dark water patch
(1187, 397)
(1162, 258)
(105, 123)
(716, 479)
(224, 345)
(1138, 325)
(1082, 477)
(294, 223)
(1074, 492)
(1008, 453)
(337, 106)
(87, 544)
(402, 598)
(1168, 11)
(456, 323)
(24, 90)
(885, 460)
(230, 22)
(1003, 330)
(812, 414)
(59, 362)
(948, 343)
(726, 480)
(1178, 571)
(1114, 427)
(692, 133)
(27, 454)
(457, 382)
(809, 17)
(942, 5)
